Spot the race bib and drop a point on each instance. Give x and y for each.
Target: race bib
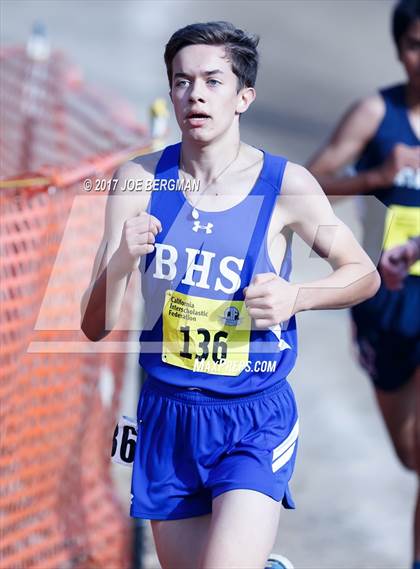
(205, 335)
(402, 223)
(124, 441)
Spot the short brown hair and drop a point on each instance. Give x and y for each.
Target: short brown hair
(241, 48)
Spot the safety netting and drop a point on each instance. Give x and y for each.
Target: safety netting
(59, 393)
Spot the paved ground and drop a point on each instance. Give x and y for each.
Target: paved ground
(354, 501)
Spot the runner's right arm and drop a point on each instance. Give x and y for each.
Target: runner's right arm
(129, 233)
(353, 133)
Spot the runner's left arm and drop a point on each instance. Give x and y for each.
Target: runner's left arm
(306, 211)
(354, 277)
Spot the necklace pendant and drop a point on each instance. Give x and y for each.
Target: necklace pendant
(194, 214)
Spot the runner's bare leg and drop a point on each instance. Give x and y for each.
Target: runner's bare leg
(242, 531)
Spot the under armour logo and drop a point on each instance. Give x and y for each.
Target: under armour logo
(197, 226)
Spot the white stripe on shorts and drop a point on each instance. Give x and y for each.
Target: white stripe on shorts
(278, 451)
(281, 461)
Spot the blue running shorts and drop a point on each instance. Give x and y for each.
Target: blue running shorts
(194, 445)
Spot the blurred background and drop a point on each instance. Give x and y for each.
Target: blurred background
(354, 501)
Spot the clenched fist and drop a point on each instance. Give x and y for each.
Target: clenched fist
(137, 239)
(395, 264)
(270, 300)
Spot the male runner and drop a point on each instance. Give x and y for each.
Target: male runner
(381, 134)
(217, 418)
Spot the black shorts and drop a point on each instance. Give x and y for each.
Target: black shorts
(387, 332)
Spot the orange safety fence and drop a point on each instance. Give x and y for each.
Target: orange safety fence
(58, 507)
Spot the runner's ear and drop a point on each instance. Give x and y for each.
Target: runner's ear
(246, 97)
